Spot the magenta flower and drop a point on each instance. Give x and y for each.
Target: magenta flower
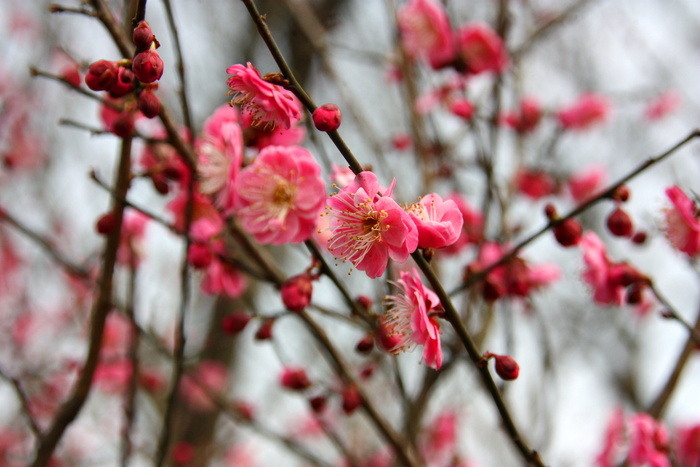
(526, 118)
(609, 280)
(280, 195)
(587, 183)
(426, 32)
(269, 104)
(682, 226)
(585, 112)
(439, 222)
(688, 445)
(220, 154)
(613, 441)
(481, 49)
(648, 442)
(662, 105)
(534, 183)
(411, 315)
(368, 227)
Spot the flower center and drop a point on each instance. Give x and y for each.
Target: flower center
(283, 194)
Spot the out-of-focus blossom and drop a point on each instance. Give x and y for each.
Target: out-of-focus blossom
(662, 105)
(587, 111)
(163, 164)
(440, 439)
(412, 316)
(426, 32)
(462, 108)
(682, 225)
(341, 175)
(526, 118)
(613, 441)
(587, 183)
(268, 103)
(648, 442)
(481, 49)
(368, 227)
(445, 94)
(208, 378)
(472, 227)
(204, 213)
(439, 222)
(294, 378)
(262, 137)
(608, 280)
(534, 184)
(296, 291)
(130, 249)
(220, 277)
(280, 195)
(515, 278)
(220, 154)
(687, 445)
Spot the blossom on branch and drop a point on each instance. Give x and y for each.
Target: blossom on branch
(426, 32)
(368, 227)
(268, 103)
(412, 316)
(280, 195)
(682, 225)
(439, 222)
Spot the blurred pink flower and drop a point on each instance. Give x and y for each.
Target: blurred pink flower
(220, 155)
(368, 227)
(472, 227)
(533, 183)
(269, 104)
(294, 378)
(341, 175)
(662, 105)
(687, 445)
(587, 111)
(439, 441)
(411, 315)
(648, 442)
(220, 277)
(130, 249)
(614, 439)
(682, 225)
(481, 49)
(526, 118)
(587, 183)
(280, 195)
(426, 32)
(439, 222)
(204, 213)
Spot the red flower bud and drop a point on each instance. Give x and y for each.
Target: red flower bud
(639, 238)
(160, 183)
(183, 453)
(462, 108)
(142, 36)
(506, 367)
(294, 379)
(327, 117)
(318, 403)
(124, 84)
(296, 292)
(366, 344)
(106, 224)
(123, 125)
(265, 330)
(351, 399)
(364, 301)
(101, 75)
(200, 255)
(568, 232)
(235, 322)
(148, 66)
(622, 194)
(550, 211)
(619, 223)
(149, 104)
(634, 294)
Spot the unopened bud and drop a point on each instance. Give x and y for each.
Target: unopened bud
(462, 108)
(101, 75)
(106, 224)
(235, 322)
(296, 292)
(123, 125)
(265, 330)
(568, 232)
(364, 301)
(318, 403)
(351, 399)
(148, 66)
(142, 36)
(149, 104)
(550, 211)
(506, 367)
(294, 379)
(619, 223)
(622, 193)
(124, 84)
(634, 294)
(327, 117)
(200, 255)
(365, 345)
(639, 238)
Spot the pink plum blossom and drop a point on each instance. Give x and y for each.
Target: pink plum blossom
(587, 111)
(341, 175)
(426, 32)
(682, 225)
(481, 49)
(533, 183)
(412, 316)
(130, 249)
(439, 222)
(648, 442)
(220, 154)
(614, 439)
(587, 183)
(368, 227)
(268, 103)
(662, 105)
(440, 439)
(608, 280)
(688, 445)
(526, 118)
(203, 213)
(472, 228)
(280, 195)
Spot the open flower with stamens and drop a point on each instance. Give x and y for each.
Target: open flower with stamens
(269, 104)
(280, 195)
(368, 227)
(439, 222)
(682, 225)
(412, 316)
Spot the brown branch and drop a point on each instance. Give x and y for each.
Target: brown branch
(24, 403)
(70, 409)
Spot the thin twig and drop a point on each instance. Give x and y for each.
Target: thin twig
(24, 402)
(132, 387)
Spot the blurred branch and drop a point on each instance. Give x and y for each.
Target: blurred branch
(184, 101)
(24, 403)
